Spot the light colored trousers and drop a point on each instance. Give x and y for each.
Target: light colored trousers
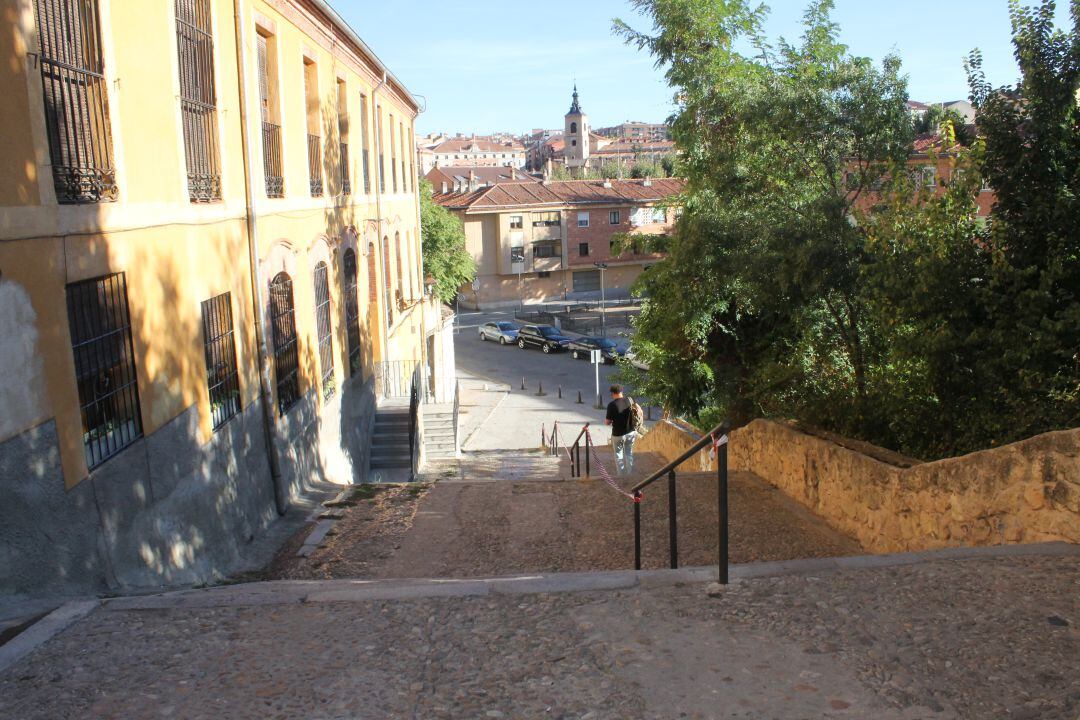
(624, 453)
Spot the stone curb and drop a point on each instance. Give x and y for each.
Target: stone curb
(283, 592)
(44, 630)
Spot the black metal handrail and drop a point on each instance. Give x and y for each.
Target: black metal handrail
(573, 451)
(717, 437)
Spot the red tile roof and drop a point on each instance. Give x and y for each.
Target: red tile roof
(486, 175)
(564, 192)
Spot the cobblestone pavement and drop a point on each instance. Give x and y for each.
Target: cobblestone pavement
(975, 638)
(498, 513)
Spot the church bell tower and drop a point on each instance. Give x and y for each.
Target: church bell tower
(576, 135)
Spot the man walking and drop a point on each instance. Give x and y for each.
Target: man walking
(623, 435)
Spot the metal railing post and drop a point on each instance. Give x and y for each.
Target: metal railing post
(637, 530)
(673, 528)
(722, 483)
(588, 451)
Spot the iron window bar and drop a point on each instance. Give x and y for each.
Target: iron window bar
(346, 184)
(100, 327)
(222, 376)
(365, 159)
(76, 102)
(352, 310)
(314, 154)
(275, 182)
(283, 330)
(198, 102)
(322, 323)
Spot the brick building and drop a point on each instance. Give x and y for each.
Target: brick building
(535, 242)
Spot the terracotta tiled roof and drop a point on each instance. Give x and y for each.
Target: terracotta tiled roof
(486, 175)
(564, 192)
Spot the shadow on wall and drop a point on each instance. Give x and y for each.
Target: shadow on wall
(354, 404)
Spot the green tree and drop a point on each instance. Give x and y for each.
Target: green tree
(443, 240)
(757, 310)
(1032, 162)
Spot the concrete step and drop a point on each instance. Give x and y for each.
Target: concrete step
(379, 464)
(390, 452)
(447, 425)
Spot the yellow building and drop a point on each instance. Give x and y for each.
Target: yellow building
(209, 256)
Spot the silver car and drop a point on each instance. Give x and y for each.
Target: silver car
(504, 332)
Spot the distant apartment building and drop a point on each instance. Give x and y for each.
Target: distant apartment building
(639, 131)
(536, 241)
(464, 179)
(963, 107)
(472, 152)
(209, 253)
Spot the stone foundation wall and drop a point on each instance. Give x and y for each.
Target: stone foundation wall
(168, 510)
(1024, 492)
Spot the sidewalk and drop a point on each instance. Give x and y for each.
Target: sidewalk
(987, 636)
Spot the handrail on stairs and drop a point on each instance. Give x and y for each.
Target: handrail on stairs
(554, 445)
(718, 438)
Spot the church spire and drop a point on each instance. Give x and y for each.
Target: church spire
(575, 109)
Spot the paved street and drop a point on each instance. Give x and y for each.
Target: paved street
(984, 637)
(513, 418)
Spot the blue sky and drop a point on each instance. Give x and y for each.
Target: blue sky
(510, 64)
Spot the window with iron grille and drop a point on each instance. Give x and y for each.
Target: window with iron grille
(400, 271)
(283, 329)
(314, 141)
(393, 156)
(76, 102)
(364, 159)
(100, 329)
(387, 281)
(198, 101)
(322, 325)
(379, 142)
(271, 131)
(352, 310)
(222, 378)
(343, 137)
(314, 154)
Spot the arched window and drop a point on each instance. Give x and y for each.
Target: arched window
(352, 310)
(573, 127)
(283, 327)
(321, 280)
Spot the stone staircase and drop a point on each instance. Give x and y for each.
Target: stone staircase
(440, 432)
(390, 437)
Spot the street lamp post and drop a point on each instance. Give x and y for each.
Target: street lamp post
(603, 302)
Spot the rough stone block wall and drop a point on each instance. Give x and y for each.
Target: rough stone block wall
(1024, 492)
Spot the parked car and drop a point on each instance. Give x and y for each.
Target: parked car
(583, 347)
(504, 332)
(545, 337)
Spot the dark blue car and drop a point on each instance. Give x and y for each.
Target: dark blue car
(583, 347)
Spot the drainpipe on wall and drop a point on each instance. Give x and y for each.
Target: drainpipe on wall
(265, 396)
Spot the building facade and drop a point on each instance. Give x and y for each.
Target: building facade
(472, 152)
(638, 131)
(209, 246)
(536, 242)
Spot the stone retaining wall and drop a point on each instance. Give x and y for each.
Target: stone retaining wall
(1024, 492)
